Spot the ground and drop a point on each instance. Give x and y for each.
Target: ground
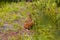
(13, 16)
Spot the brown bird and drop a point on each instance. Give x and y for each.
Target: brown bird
(29, 22)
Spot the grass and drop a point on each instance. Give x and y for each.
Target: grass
(43, 14)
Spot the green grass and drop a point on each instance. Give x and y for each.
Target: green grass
(43, 14)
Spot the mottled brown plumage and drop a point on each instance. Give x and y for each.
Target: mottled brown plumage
(29, 22)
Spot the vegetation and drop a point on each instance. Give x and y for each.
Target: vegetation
(44, 13)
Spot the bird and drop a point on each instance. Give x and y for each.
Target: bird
(28, 22)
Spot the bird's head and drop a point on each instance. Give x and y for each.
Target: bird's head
(29, 15)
